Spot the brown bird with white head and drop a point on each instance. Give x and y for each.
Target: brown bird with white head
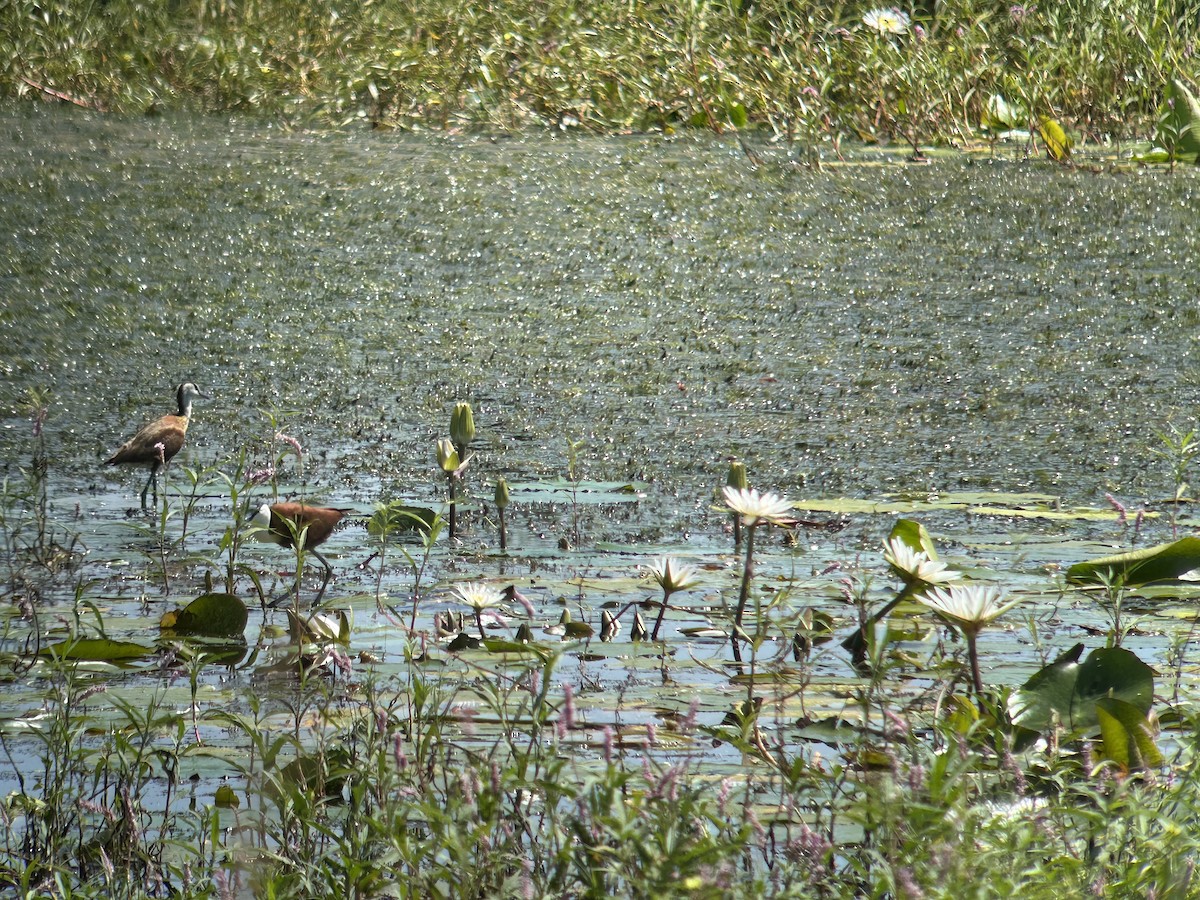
(284, 523)
(156, 442)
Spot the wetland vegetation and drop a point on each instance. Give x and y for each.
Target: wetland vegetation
(894, 650)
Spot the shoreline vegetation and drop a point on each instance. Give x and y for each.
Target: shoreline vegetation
(814, 74)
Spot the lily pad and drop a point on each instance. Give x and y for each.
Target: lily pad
(561, 490)
(501, 645)
(211, 615)
(1164, 562)
(97, 650)
(1127, 735)
(1067, 691)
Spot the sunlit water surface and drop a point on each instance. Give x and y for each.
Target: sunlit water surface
(959, 343)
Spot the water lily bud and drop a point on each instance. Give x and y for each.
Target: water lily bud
(638, 631)
(462, 426)
(736, 478)
(447, 455)
(501, 494)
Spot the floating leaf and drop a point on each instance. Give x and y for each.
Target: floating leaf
(704, 631)
(578, 630)
(1128, 738)
(1164, 562)
(463, 642)
(97, 650)
(500, 645)
(226, 797)
(559, 490)
(212, 615)
(1067, 691)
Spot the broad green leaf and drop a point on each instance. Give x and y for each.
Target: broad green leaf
(97, 650)
(1179, 127)
(1163, 562)
(226, 797)
(999, 115)
(396, 516)
(212, 615)
(559, 490)
(578, 630)
(1067, 691)
(1058, 145)
(1128, 738)
(913, 533)
(500, 645)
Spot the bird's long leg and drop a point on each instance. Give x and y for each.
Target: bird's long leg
(328, 574)
(151, 481)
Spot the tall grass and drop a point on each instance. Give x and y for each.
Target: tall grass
(808, 71)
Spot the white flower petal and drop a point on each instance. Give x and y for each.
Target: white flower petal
(478, 595)
(915, 565)
(672, 575)
(970, 605)
(754, 507)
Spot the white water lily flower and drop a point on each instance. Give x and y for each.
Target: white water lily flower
(915, 565)
(477, 595)
(672, 575)
(969, 606)
(755, 508)
(887, 20)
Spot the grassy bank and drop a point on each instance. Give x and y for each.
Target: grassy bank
(812, 72)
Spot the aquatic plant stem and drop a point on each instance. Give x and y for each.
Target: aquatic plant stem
(747, 574)
(662, 611)
(973, 656)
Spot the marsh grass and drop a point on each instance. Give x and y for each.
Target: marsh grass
(490, 779)
(812, 73)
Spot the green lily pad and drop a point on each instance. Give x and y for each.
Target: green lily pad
(578, 629)
(97, 650)
(501, 645)
(1164, 562)
(211, 615)
(226, 797)
(561, 490)
(1128, 738)
(1067, 691)
(1008, 505)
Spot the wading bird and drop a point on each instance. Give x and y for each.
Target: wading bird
(284, 523)
(156, 442)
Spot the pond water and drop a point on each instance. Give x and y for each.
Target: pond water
(987, 344)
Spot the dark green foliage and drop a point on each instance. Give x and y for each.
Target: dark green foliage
(808, 71)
